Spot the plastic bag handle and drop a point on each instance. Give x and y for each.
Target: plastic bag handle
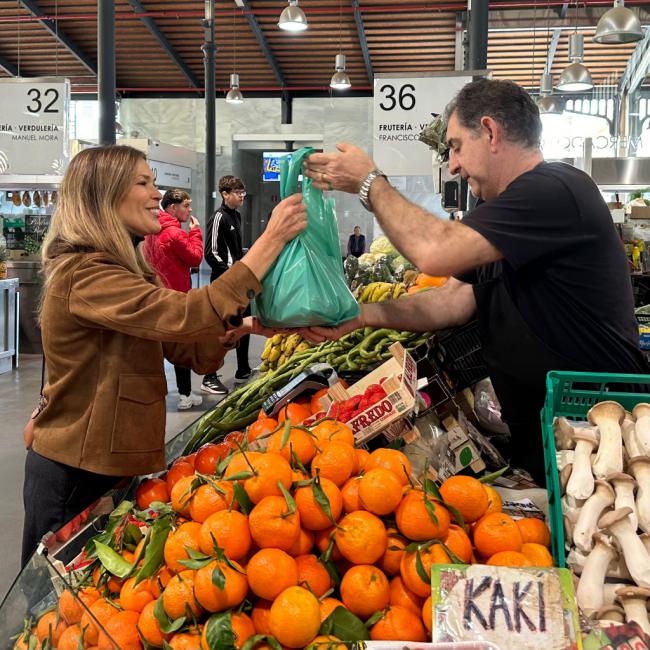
(289, 172)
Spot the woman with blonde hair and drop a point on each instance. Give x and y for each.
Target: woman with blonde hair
(107, 327)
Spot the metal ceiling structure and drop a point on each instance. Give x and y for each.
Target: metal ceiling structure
(158, 42)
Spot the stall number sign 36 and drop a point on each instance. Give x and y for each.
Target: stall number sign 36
(401, 96)
(402, 108)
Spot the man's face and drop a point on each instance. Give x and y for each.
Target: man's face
(469, 156)
(234, 199)
(357, 231)
(182, 211)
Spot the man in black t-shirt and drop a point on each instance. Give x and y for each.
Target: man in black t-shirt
(538, 262)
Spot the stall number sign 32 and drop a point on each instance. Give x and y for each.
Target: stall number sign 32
(393, 96)
(43, 102)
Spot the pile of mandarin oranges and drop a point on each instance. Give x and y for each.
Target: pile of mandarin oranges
(296, 523)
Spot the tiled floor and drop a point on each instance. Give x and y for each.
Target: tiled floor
(18, 396)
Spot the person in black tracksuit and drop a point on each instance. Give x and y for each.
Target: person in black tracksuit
(223, 247)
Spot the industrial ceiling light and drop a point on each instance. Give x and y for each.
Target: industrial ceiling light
(292, 18)
(575, 77)
(618, 25)
(340, 79)
(547, 104)
(234, 95)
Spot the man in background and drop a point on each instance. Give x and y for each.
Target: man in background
(172, 253)
(223, 247)
(357, 243)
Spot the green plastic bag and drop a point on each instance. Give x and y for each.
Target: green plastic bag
(306, 286)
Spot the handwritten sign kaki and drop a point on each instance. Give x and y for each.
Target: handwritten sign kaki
(512, 607)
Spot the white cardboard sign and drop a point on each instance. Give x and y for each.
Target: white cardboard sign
(403, 107)
(34, 126)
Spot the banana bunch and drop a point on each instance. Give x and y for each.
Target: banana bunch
(280, 348)
(379, 291)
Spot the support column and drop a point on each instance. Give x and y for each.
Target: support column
(106, 70)
(209, 50)
(478, 34)
(287, 115)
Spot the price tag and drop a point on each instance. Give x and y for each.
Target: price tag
(403, 107)
(34, 127)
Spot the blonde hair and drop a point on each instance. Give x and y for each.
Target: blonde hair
(86, 218)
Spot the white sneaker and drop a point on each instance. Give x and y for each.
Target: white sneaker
(186, 402)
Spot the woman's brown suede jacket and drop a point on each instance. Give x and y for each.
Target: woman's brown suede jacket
(106, 332)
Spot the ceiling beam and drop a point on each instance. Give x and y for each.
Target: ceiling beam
(61, 36)
(363, 41)
(151, 25)
(8, 66)
(261, 40)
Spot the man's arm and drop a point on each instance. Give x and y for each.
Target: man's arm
(435, 246)
(451, 305)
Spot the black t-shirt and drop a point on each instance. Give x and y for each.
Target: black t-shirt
(564, 266)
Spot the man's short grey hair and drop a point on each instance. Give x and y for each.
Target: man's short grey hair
(506, 103)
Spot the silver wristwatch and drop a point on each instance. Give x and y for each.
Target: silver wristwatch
(364, 190)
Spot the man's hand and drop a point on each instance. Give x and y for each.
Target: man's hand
(194, 222)
(320, 334)
(342, 170)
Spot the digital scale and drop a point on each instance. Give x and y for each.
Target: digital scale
(316, 377)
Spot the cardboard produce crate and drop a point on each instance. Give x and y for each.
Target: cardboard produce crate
(388, 415)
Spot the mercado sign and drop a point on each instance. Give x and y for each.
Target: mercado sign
(403, 106)
(34, 127)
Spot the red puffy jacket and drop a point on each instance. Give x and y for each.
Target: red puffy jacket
(173, 252)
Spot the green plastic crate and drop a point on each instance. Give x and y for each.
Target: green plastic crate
(572, 394)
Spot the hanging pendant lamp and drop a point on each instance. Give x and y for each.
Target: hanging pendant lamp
(618, 25)
(340, 79)
(547, 104)
(234, 95)
(575, 77)
(292, 18)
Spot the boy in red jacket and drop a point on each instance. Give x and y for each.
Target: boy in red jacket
(172, 253)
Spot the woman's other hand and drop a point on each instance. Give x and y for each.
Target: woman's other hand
(288, 219)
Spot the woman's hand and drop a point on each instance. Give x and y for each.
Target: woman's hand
(250, 325)
(288, 219)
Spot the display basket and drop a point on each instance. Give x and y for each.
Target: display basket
(571, 395)
(460, 354)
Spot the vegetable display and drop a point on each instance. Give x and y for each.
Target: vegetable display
(357, 351)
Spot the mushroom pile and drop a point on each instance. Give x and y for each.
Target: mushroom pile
(604, 466)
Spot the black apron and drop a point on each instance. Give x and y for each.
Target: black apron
(518, 361)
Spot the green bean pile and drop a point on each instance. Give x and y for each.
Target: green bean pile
(357, 351)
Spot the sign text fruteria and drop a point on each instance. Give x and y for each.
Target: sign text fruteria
(34, 126)
(403, 107)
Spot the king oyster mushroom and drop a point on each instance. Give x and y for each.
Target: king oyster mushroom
(563, 434)
(602, 499)
(581, 482)
(589, 594)
(608, 417)
(624, 486)
(641, 415)
(630, 441)
(634, 601)
(640, 467)
(636, 557)
(610, 615)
